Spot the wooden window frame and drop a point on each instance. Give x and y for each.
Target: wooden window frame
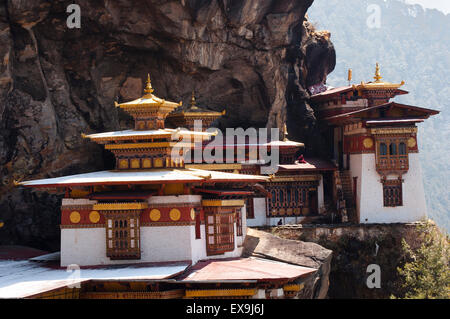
(299, 198)
(393, 160)
(392, 193)
(238, 214)
(121, 247)
(198, 233)
(250, 208)
(221, 239)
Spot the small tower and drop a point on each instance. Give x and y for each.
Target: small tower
(149, 111)
(190, 116)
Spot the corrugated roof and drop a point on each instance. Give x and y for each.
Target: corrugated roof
(21, 279)
(245, 269)
(141, 177)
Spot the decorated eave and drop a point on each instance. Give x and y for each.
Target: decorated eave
(360, 89)
(163, 176)
(166, 133)
(394, 112)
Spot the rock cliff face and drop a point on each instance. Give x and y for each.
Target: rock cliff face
(254, 58)
(355, 247)
(264, 245)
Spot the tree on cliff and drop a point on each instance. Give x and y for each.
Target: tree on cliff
(427, 275)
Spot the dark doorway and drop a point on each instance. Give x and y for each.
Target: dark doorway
(313, 203)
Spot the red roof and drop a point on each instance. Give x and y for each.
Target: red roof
(245, 269)
(427, 112)
(337, 90)
(393, 121)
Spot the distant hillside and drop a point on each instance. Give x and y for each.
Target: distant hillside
(411, 45)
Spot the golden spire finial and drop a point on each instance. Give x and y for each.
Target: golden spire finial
(285, 133)
(148, 88)
(193, 98)
(193, 101)
(377, 76)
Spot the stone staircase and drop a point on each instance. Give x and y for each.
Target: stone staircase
(347, 189)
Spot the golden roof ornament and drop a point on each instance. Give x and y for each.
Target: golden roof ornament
(378, 84)
(285, 133)
(377, 76)
(148, 88)
(193, 101)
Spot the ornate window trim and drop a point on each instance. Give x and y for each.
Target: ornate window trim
(392, 192)
(122, 234)
(391, 155)
(219, 225)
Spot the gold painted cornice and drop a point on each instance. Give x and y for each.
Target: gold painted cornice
(146, 145)
(220, 292)
(222, 202)
(293, 287)
(120, 206)
(214, 167)
(387, 131)
(295, 178)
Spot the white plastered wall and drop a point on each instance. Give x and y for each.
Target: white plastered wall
(370, 192)
(87, 246)
(259, 207)
(320, 196)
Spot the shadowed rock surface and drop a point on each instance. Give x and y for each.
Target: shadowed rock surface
(355, 247)
(262, 244)
(254, 58)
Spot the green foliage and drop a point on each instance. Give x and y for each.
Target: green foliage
(427, 274)
(413, 45)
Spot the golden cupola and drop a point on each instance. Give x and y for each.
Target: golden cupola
(149, 111)
(187, 117)
(378, 91)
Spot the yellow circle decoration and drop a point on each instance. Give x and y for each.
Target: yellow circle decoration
(94, 217)
(411, 142)
(368, 142)
(75, 217)
(175, 214)
(155, 215)
(192, 214)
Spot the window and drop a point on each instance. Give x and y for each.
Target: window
(219, 230)
(250, 211)
(392, 193)
(392, 149)
(122, 235)
(289, 198)
(383, 149)
(198, 234)
(238, 222)
(402, 149)
(392, 158)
